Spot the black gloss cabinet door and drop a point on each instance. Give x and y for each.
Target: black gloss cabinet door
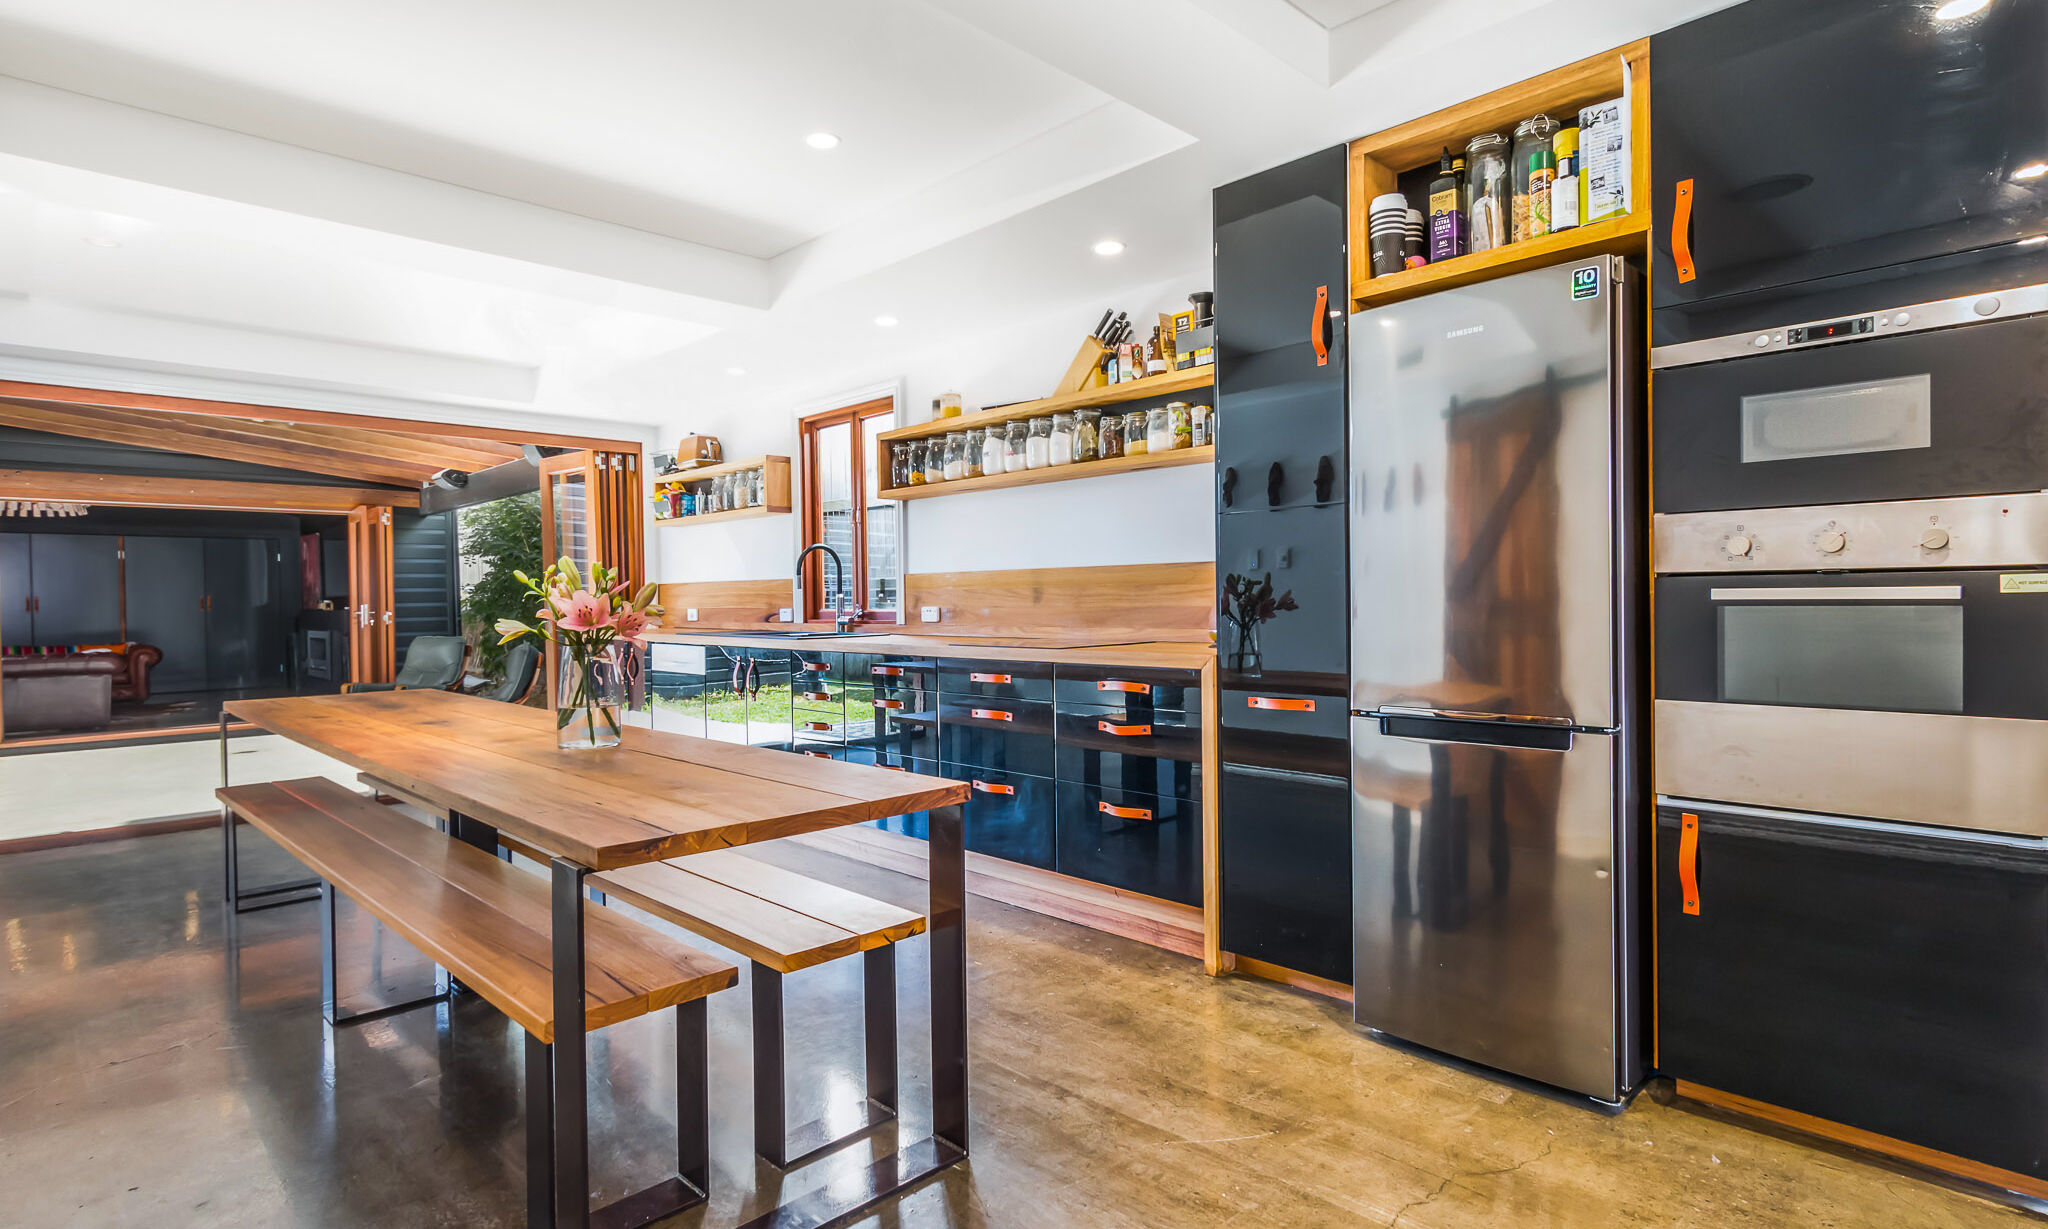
(1823, 137)
(1869, 975)
(1287, 870)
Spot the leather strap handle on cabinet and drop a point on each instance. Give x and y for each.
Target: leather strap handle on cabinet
(1124, 812)
(886, 671)
(817, 725)
(892, 704)
(1319, 328)
(893, 767)
(990, 787)
(1123, 731)
(1689, 864)
(1280, 705)
(819, 755)
(814, 695)
(1681, 230)
(992, 714)
(1121, 685)
(990, 678)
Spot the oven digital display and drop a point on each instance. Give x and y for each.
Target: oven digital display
(1829, 331)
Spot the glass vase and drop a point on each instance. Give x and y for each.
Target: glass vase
(590, 695)
(1244, 655)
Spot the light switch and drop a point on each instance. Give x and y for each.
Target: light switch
(1286, 556)
(929, 614)
(691, 614)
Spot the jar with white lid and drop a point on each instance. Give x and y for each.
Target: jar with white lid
(1060, 444)
(1038, 443)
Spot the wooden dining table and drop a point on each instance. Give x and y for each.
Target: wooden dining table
(495, 768)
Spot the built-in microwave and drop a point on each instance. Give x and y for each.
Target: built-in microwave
(1917, 401)
(1918, 695)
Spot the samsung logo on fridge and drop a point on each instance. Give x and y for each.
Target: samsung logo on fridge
(1466, 332)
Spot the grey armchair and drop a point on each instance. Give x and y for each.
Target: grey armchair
(522, 667)
(432, 663)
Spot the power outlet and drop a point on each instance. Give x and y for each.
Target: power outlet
(690, 615)
(929, 614)
(787, 615)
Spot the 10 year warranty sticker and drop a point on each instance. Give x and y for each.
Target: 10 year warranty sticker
(1586, 283)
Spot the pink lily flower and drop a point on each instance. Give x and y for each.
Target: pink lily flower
(634, 626)
(583, 611)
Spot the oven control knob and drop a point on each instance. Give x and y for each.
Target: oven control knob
(1832, 542)
(1934, 539)
(1986, 306)
(1739, 545)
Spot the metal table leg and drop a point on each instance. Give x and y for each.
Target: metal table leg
(294, 892)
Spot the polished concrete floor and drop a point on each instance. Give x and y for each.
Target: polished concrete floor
(156, 1070)
(80, 789)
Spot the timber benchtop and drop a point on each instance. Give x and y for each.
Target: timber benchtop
(1075, 647)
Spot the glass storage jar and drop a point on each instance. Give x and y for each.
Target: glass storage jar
(1060, 443)
(949, 405)
(934, 460)
(1015, 446)
(1180, 419)
(1204, 426)
(1159, 430)
(1087, 434)
(992, 449)
(1038, 443)
(914, 463)
(1134, 433)
(1488, 192)
(1109, 438)
(956, 456)
(971, 454)
(899, 465)
(1535, 169)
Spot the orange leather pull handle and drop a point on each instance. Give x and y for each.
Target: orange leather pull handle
(888, 704)
(990, 787)
(1279, 705)
(893, 767)
(1123, 731)
(814, 695)
(817, 725)
(1317, 329)
(1689, 864)
(1124, 812)
(1681, 230)
(992, 714)
(1121, 685)
(990, 678)
(819, 755)
(886, 671)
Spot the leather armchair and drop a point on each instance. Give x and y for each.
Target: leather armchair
(431, 662)
(132, 683)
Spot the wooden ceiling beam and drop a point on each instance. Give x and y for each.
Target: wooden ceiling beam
(67, 395)
(131, 491)
(222, 438)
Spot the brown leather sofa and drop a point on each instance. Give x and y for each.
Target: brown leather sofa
(131, 674)
(58, 693)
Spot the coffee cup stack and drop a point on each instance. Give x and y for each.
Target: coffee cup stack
(1387, 229)
(1412, 248)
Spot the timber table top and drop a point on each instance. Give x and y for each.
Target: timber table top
(655, 796)
(1075, 647)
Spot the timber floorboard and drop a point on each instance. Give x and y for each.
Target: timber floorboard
(156, 1072)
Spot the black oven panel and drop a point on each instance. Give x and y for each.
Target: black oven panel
(1970, 643)
(1919, 415)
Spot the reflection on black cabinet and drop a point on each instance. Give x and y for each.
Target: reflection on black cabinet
(1286, 868)
(1010, 815)
(1307, 648)
(1012, 735)
(1127, 747)
(1134, 840)
(1869, 974)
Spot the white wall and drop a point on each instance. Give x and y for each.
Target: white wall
(1157, 516)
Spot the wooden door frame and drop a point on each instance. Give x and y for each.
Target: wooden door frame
(372, 614)
(812, 508)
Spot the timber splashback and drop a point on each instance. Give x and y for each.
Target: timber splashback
(1141, 601)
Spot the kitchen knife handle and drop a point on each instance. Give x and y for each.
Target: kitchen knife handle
(1123, 731)
(1689, 864)
(1319, 327)
(1681, 230)
(989, 787)
(991, 714)
(1124, 812)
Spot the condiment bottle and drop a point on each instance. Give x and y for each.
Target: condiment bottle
(1447, 209)
(1564, 194)
(1200, 419)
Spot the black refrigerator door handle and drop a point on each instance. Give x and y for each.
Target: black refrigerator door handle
(1513, 735)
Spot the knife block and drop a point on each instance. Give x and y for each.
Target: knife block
(1086, 369)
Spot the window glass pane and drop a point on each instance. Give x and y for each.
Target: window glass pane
(572, 520)
(880, 520)
(835, 505)
(1900, 658)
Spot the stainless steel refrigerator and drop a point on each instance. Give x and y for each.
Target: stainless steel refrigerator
(1496, 578)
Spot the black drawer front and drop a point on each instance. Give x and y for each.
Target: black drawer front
(1014, 680)
(905, 725)
(1132, 840)
(886, 672)
(1140, 690)
(1876, 976)
(1158, 752)
(1010, 815)
(1286, 868)
(916, 823)
(1005, 734)
(1287, 731)
(825, 748)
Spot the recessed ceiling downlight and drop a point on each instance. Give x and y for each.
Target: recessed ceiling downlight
(1955, 10)
(885, 322)
(102, 241)
(822, 140)
(1109, 247)
(735, 371)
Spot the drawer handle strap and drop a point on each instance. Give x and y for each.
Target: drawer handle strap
(887, 671)
(893, 767)
(992, 714)
(814, 695)
(817, 725)
(1681, 231)
(988, 787)
(819, 755)
(990, 678)
(1279, 705)
(1123, 731)
(1689, 864)
(1121, 685)
(888, 704)
(1124, 812)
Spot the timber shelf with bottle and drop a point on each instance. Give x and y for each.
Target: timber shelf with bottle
(1379, 161)
(775, 488)
(1160, 388)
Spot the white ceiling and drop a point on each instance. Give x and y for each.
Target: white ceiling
(594, 210)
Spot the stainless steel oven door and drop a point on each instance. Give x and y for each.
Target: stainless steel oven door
(1914, 696)
(1883, 415)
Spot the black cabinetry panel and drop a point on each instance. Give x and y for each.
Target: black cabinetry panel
(1286, 869)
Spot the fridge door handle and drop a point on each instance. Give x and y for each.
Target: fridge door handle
(1510, 735)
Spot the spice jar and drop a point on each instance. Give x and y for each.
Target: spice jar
(1488, 193)
(948, 406)
(1109, 440)
(913, 463)
(1087, 434)
(899, 465)
(1204, 432)
(992, 449)
(1134, 434)
(1038, 443)
(956, 456)
(1159, 430)
(1534, 170)
(971, 454)
(1060, 450)
(1015, 446)
(1180, 418)
(934, 460)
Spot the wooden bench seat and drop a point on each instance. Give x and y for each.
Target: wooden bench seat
(486, 922)
(783, 921)
(382, 789)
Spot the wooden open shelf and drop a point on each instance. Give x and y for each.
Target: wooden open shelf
(1205, 455)
(1377, 162)
(1087, 398)
(775, 490)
